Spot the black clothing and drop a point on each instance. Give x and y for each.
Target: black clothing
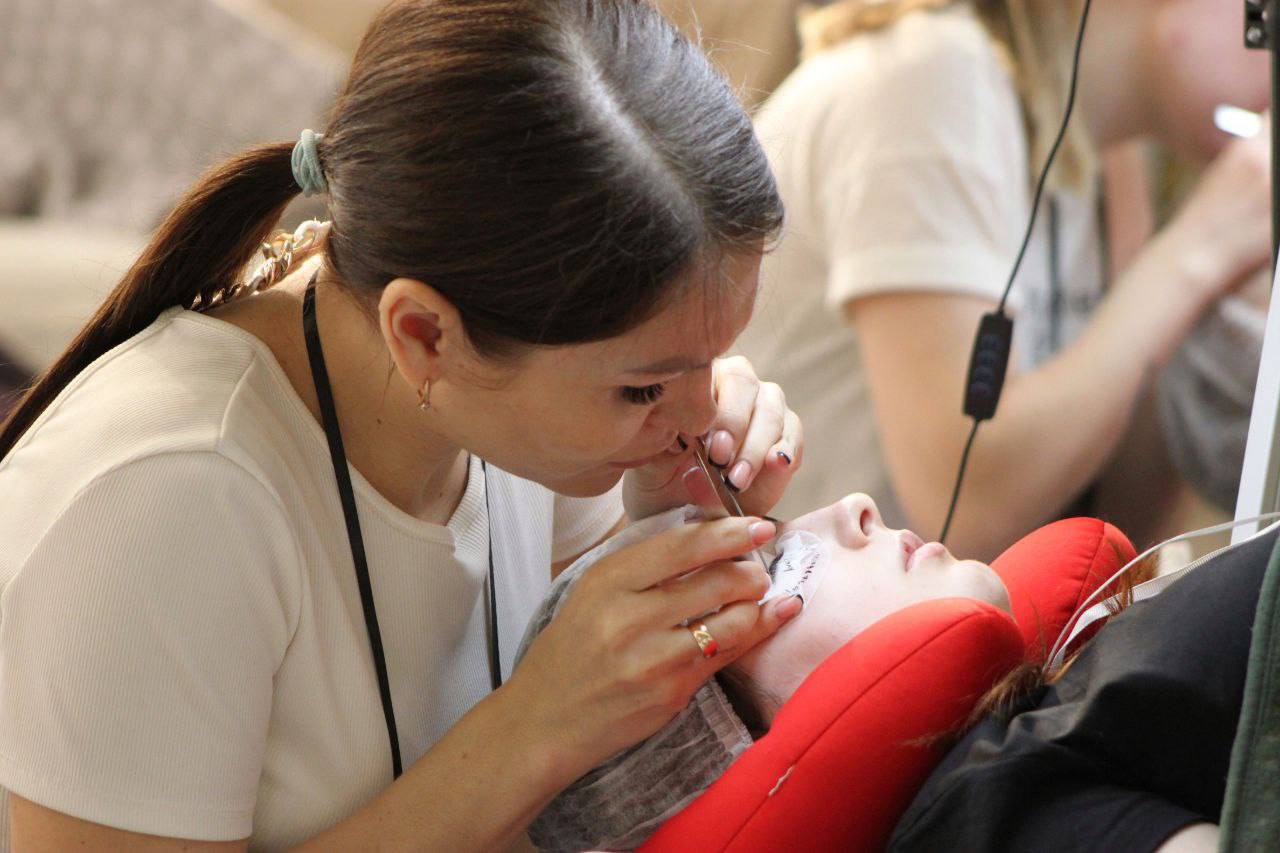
(1133, 742)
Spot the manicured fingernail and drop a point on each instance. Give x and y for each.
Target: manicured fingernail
(790, 607)
(740, 475)
(784, 457)
(721, 450)
(762, 531)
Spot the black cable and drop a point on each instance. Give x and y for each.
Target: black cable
(993, 343)
(955, 494)
(1053, 153)
(495, 656)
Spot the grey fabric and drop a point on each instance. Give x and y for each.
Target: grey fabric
(1251, 809)
(111, 108)
(619, 804)
(1206, 395)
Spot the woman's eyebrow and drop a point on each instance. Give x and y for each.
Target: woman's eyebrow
(677, 364)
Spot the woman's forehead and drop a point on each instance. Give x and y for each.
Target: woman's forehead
(690, 332)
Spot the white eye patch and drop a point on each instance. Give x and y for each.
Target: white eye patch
(801, 564)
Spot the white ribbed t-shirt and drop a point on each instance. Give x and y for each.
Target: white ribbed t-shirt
(182, 645)
(901, 156)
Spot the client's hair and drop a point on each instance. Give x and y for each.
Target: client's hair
(1003, 699)
(748, 699)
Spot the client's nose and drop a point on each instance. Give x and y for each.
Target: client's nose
(849, 521)
(862, 516)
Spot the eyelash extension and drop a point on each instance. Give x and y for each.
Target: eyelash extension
(645, 395)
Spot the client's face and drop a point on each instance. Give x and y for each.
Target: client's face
(871, 572)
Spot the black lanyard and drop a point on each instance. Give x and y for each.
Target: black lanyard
(329, 414)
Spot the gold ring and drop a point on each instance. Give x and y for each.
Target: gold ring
(706, 643)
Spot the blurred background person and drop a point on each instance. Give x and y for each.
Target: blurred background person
(906, 146)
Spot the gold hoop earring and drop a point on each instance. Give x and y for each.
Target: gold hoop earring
(424, 395)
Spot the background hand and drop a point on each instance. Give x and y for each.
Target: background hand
(1224, 228)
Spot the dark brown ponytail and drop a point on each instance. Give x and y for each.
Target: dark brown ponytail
(558, 169)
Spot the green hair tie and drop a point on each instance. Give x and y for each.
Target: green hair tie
(306, 164)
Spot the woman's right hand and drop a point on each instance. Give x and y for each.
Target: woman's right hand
(1223, 230)
(616, 663)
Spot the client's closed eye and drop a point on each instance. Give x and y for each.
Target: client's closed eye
(772, 567)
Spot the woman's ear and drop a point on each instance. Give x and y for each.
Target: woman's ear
(422, 329)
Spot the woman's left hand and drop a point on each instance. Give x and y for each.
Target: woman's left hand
(755, 439)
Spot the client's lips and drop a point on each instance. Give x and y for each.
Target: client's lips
(924, 552)
(910, 544)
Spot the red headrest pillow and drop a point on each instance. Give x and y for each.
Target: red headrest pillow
(850, 749)
(1051, 571)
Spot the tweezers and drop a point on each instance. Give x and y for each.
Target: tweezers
(725, 492)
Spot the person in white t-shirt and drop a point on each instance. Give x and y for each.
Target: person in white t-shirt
(906, 147)
(270, 537)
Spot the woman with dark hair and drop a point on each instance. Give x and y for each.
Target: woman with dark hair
(547, 224)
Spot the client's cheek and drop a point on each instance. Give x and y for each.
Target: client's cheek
(993, 590)
(781, 664)
(766, 664)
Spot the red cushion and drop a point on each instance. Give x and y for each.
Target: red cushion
(1051, 571)
(817, 780)
(848, 752)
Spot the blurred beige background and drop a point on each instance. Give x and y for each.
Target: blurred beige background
(754, 41)
(91, 167)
